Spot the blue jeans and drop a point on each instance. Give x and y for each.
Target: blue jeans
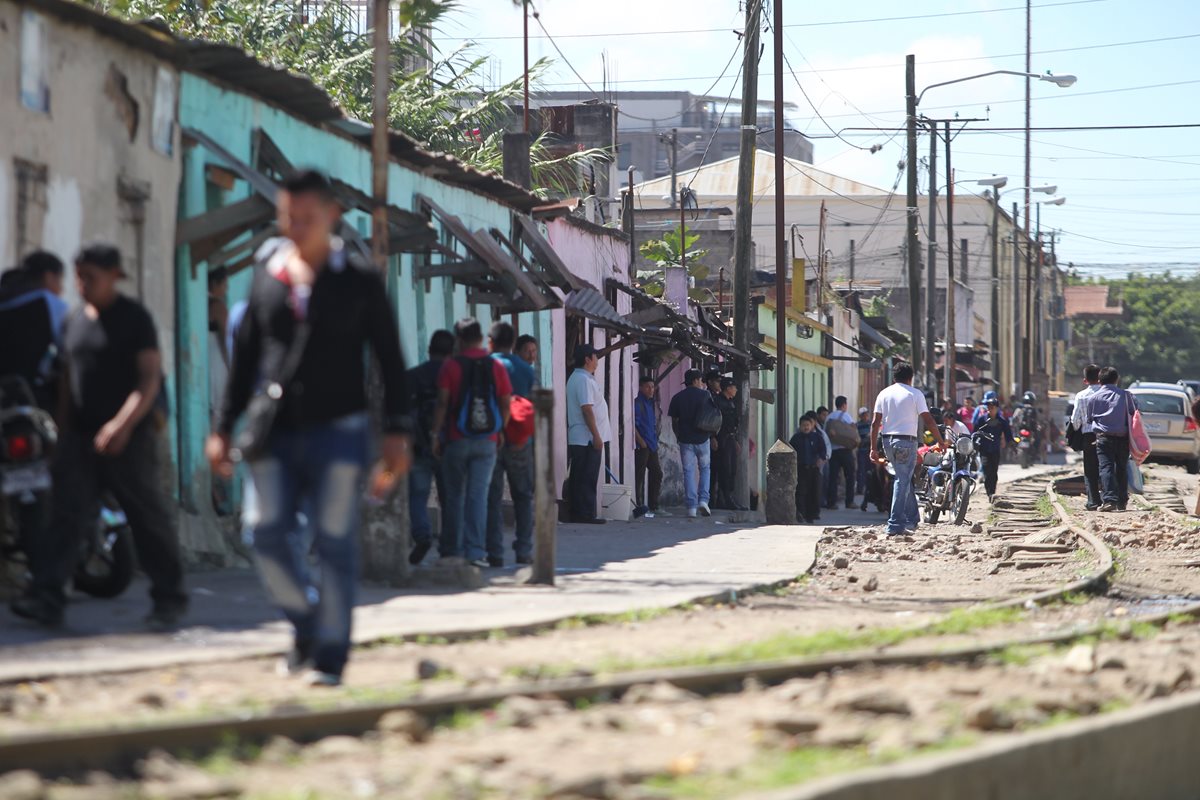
(318, 471)
(902, 453)
(696, 459)
(517, 463)
(424, 473)
(467, 466)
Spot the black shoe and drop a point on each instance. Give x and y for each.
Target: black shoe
(592, 521)
(495, 563)
(37, 609)
(418, 552)
(297, 661)
(863, 507)
(1090, 507)
(524, 559)
(165, 617)
(849, 504)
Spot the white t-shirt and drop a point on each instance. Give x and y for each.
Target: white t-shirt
(902, 407)
(583, 390)
(958, 427)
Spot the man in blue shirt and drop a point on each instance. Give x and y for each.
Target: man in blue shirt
(513, 460)
(520, 371)
(645, 453)
(1107, 413)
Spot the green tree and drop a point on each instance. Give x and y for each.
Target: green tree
(1161, 339)
(668, 252)
(445, 104)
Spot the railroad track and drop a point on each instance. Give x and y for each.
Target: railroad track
(1019, 525)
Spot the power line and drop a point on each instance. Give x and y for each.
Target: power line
(1130, 244)
(897, 65)
(625, 34)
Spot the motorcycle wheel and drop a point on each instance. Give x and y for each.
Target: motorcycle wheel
(108, 571)
(962, 498)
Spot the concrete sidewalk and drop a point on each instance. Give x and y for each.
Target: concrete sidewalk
(612, 569)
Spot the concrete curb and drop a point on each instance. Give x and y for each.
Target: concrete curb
(1146, 752)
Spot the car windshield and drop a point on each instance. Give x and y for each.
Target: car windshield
(1160, 403)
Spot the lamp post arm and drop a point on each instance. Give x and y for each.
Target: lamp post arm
(974, 77)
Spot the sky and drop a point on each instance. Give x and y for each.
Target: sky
(1132, 196)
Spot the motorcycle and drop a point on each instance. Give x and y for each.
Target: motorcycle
(1025, 448)
(27, 438)
(949, 478)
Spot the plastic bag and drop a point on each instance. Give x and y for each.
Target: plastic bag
(1139, 440)
(1136, 484)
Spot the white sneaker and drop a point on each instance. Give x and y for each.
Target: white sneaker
(705, 510)
(691, 513)
(648, 515)
(318, 678)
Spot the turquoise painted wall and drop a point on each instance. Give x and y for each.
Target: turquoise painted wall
(230, 119)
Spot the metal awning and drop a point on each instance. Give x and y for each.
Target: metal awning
(591, 305)
(477, 260)
(875, 336)
(865, 357)
(553, 270)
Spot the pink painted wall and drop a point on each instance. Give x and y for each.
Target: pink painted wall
(595, 256)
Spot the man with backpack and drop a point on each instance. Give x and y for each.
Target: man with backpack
(515, 456)
(474, 393)
(588, 430)
(426, 471)
(695, 418)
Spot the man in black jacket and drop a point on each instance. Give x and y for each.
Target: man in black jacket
(312, 294)
(426, 470)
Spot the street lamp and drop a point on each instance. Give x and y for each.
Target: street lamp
(997, 183)
(912, 100)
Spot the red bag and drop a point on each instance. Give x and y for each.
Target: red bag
(1139, 440)
(520, 422)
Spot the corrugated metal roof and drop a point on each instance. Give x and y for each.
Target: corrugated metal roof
(801, 179)
(1090, 301)
(591, 305)
(295, 94)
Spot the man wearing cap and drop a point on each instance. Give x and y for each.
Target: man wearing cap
(588, 430)
(109, 442)
(900, 410)
(726, 456)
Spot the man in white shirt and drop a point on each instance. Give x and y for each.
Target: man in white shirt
(841, 457)
(588, 430)
(1091, 461)
(899, 412)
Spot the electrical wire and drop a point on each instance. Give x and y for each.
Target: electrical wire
(827, 23)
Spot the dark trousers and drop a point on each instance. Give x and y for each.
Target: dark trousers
(808, 493)
(991, 467)
(517, 464)
(841, 464)
(726, 469)
(583, 470)
(134, 478)
(1113, 454)
(863, 460)
(1091, 470)
(646, 461)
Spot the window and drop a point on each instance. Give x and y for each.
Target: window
(1160, 404)
(35, 89)
(31, 204)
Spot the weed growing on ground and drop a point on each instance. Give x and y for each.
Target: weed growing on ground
(1045, 507)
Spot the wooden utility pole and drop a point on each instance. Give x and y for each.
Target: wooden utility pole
(781, 256)
(931, 266)
(912, 240)
(525, 37)
(948, 362)
(379, 138)
(1027, 355)
(745, 326)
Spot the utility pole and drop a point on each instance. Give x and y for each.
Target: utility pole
(525, 20)
(995, 314)
(1028, 143)
(744, 324)
(948, 361)
(631, 225)
(673, 140)
(931, 265)
(852, 265)
(781, 258)
(912, 240)
(1027, 371)
(1018, 353)
(379, 138)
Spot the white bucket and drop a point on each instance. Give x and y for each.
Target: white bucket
(616, 502)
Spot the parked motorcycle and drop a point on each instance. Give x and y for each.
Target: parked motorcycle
(27, 438)
(949, 478)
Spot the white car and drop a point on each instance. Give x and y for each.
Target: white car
(1167, 415)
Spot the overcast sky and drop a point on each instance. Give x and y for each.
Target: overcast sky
(1135, 59)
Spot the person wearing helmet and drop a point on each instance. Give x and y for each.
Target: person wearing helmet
(1026, 417)
(981, 411)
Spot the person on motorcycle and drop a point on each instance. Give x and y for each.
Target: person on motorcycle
(1026, 418)
(31, 319)
(999, 432)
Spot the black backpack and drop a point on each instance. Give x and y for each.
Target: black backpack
(478, 413)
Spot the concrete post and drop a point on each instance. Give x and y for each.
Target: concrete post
(545, 507)
(781, 484)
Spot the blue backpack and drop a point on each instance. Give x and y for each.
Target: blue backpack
(478, 412)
